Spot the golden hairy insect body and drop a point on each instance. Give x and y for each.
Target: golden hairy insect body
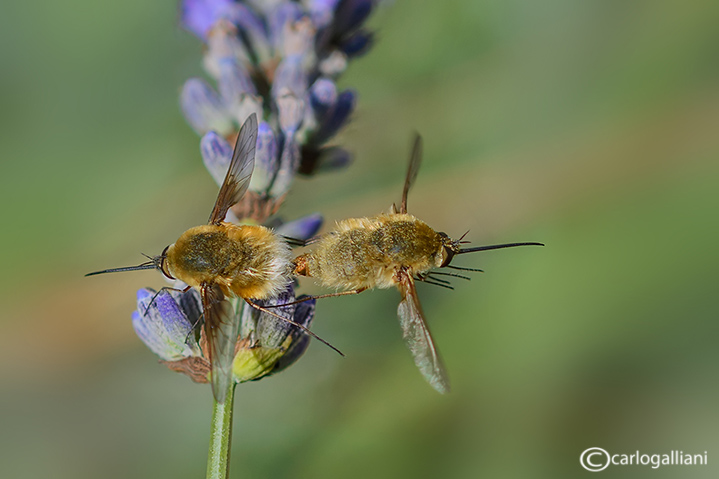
(364, 253)
(394, 249)
(245, 261)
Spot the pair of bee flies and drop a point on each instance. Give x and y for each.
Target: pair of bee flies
(223, 260)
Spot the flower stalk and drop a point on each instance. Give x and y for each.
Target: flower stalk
(218, 455)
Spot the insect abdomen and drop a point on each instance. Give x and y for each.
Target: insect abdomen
(265, 269)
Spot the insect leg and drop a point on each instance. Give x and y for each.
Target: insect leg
(300, 242)
(194, 327)
(163, 289)
(329, 295)
(294, 241)
(464, 269)
(307, 331)
(428, 276)
(449, 274)
(440, 282)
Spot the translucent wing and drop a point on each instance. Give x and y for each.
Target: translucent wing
(221, 330)
(415, 159)
(417, 336)
(239, 172)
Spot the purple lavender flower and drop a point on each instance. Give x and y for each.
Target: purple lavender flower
(166, 325)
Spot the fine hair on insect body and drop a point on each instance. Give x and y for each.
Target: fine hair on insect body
(392, 249)
(223, 260)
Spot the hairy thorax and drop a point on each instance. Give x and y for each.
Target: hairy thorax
(367, 252)
(246, 261)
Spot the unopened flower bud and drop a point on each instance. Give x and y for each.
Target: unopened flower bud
(216, 154)
(269, 343)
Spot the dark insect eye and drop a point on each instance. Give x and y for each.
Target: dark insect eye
(163, 257)
(448, 255)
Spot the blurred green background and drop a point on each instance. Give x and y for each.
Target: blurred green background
(591, 126)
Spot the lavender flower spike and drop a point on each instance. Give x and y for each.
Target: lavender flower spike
(264, 55)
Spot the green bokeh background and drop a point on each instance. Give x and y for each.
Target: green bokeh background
(591, 126)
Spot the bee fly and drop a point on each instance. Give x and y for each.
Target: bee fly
(391, 250)
(222, 260)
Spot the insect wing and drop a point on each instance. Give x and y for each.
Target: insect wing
(221, 330)
(417, 336)
(415, 159)
(239, 172)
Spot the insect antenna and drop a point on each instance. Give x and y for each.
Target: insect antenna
(460, 268)
(495, 246)
(307, 331)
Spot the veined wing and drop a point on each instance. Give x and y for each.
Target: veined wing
(239, 172)
(221, 330)
(415, 159)
(417, 336)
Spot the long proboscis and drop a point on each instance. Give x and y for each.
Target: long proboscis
(496, 246)
(148, 265)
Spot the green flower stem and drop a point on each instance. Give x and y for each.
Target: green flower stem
(218, 457)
